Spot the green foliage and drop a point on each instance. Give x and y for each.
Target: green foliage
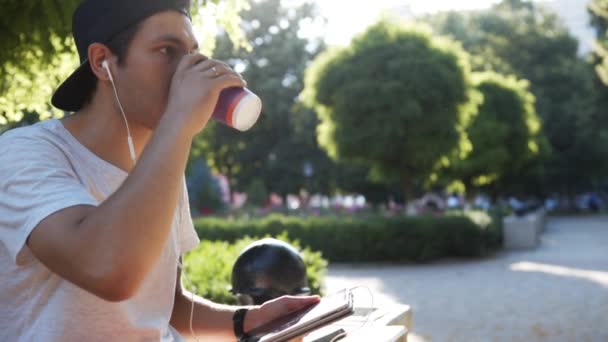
(525, 39)
(29, 88)
(37, 52)
(32, 27)
(396, 100)
(594, 126)
(599, 14)
(276, 149)
(373, 239)
(510, 38)
(209, 15)
(505, 134)
(209, 268)
(35, 55)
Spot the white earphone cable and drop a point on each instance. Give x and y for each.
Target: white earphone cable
(367, 319)
(181, 267)
(122, 111)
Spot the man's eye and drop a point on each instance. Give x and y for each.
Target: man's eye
(168, 50)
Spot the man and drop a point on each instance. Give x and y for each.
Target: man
(90, 239)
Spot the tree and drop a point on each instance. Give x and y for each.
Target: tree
(596, 127)
(257, 194)
(505, 134)
(37, 52)
(599, 14)
(279, 147)
(523, 38)
(396, 100)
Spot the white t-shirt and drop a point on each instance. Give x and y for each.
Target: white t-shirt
(43, 169)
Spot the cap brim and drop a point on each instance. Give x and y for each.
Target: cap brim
(74, 91)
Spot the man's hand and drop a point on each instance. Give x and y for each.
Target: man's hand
(276, 308)
(195, 89)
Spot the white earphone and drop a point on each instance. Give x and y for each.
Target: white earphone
(105, 65)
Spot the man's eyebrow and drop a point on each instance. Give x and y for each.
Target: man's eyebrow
(175, 40)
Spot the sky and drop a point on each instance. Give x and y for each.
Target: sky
(346, 18)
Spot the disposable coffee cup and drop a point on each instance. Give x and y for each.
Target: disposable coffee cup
(238, 108)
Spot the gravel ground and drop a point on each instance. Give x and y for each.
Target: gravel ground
(557, 292)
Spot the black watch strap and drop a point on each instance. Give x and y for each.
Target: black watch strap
(239, 321)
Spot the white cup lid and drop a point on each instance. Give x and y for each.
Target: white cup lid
(247, 112)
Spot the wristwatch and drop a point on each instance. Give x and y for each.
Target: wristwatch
(239, 321)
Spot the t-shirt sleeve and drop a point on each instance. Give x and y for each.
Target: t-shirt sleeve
(36, 180)
(189, 237)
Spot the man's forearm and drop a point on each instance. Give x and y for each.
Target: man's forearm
(210, 320)
(213, 321)
(136, 219)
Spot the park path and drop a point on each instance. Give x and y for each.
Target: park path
(557, 292)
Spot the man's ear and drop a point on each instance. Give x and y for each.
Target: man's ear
(98, 53)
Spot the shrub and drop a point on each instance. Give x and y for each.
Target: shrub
(371, 239)
(209, 268)
(204, 189)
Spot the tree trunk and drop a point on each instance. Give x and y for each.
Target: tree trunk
(407, 185)
(230, 184)
(470, 193)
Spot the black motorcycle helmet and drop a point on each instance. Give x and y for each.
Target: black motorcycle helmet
(268, 269)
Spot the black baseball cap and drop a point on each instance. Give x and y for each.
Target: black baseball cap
(98, 21)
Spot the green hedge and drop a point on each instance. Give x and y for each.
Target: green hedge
(209, 267)
(351, 239)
